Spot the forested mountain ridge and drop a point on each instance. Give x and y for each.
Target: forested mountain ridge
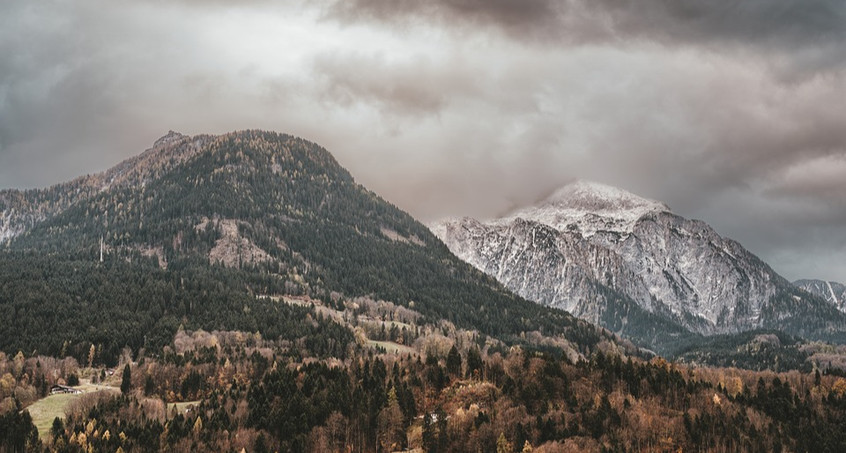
(22, 210)
(238, 215)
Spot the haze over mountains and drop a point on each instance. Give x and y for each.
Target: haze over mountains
(633, 266)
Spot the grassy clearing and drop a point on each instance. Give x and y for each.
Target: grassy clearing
(46, 409)
(390, 347)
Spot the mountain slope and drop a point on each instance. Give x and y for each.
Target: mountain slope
(271, 214)
(22, 210)
(543, 264)
(832, 292)
(588, 235)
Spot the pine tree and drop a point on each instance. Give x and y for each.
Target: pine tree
(126, 382)
(453, 362)
(474, 363)
(58, 427)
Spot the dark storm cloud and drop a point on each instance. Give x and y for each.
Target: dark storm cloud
(519, 17)
(807, 33)
(64, 105)
(780, 22)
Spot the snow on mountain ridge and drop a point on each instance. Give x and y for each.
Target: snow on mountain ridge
(833, 292)
(588, 207)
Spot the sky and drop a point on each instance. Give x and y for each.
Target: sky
(732, 112)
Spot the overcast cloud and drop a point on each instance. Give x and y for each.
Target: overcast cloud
(731, 112)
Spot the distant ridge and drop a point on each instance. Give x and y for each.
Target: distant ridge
(832, 292)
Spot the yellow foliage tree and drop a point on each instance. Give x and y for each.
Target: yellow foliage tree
(89, 428)
(735, 386)
(19, 363)
(7, 384)
(503, 445)
(92, 351)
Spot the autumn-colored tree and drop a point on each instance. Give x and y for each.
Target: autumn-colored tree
(503, 445)
(336, 430)
(19, 364)
(839, 387)
(92, 351)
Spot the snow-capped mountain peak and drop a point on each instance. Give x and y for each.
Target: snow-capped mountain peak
(588, 207)
(631, 265)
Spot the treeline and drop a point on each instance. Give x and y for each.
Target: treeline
(467, 400)
(754, 350)
(64, 307)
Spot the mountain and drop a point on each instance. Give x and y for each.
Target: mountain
(20, 211)
(253, 297)
(832, 292)
(195, 228)
(625, 262)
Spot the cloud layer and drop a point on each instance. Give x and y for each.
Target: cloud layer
(729, 112)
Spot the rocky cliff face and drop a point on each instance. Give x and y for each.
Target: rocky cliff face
(542, 263)
(587, 237)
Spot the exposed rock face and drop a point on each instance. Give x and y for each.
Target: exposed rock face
(832, 292)
(588, 236)
(541, 263)
(234, 250)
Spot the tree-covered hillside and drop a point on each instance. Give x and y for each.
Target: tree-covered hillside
(242, 214)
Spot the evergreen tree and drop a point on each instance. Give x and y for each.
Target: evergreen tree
(58, 427)
(126, 381)
(453, 362)
(474, 362)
